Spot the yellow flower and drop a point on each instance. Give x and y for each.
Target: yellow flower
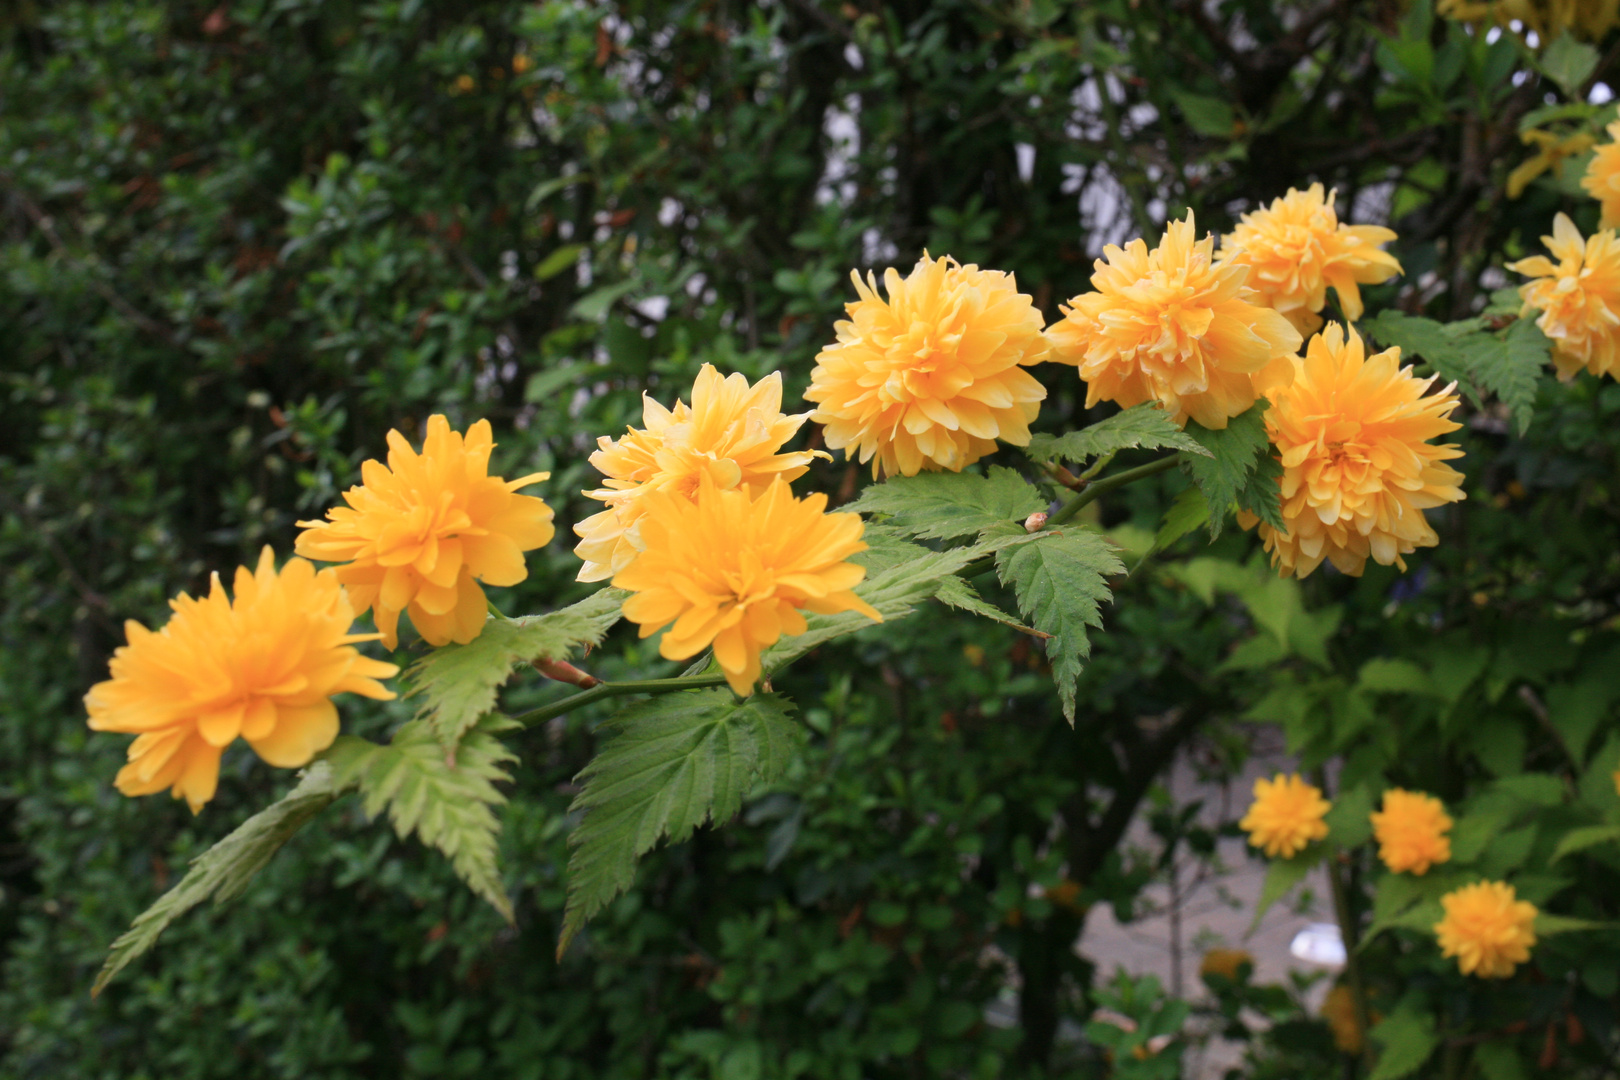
(1225, 962)
(1169, 325)
(735, 570)
(930, 378)
(1358, 471)
(731, 434)
(1286, 815)
(1339, 1010)
(422, 531)
(1296, 248)
(1487, 929)
(1547, 19)
(1411, 831)
(264, 666)
(1554, 148)
(1602, 179)
(1579, 298)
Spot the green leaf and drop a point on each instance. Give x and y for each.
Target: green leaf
(1188, 512)
(225, 869)
(447, 804)
(1415, 336)
(673, 763)
(1233, 454)
(558, 261)
(956, 593)
(1510, 367)
(1408, 1037)
(458, 683)
(1583, 838)
(1569, 63)
(1206, 115)
(544, 385)
(940, 506)
(1144, 426)
(1061, 581)
(1349, 822)
(1501, 1061)
(594, 306)
(886, 547)
(1385, 675)
(1281, 876)
(1548, 925)
(1261, 493)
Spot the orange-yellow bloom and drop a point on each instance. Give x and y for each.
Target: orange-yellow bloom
(1170, 325)
(736, 570)
(1547, 19)
(420, 533)
(1296, 248)
(1227, 963)
(931, 377)
(1487, 929)
(1339, 1010)
(1578, 297)
(1552, 150)
(1286, 815)
(731, 435)
(1352, 434)
(263, 666)
(1411, 831)
(1602, 179)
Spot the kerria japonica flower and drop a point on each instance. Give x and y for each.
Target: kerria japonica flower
(736, 571)
(1285, 816)
(420, 533)
(1411, 831)
(1297, 248)
(931, 377)
(1352, 434)
(263, 666)
(1602, 179)
(1487, 928)
(730, 435)
(1172, 326)
(1578, 298)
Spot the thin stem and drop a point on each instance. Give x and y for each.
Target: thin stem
(1352, 966)
(1098, 488)
(603, 691)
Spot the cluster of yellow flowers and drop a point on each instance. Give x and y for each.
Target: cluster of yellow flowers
(1547, 19)
(1486, 927)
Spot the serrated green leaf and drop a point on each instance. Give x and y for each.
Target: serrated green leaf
(1144, 426)
(673, 763)
(1188, 512)
(1408, 1038)
(1446, 353)
(956, 593)
(1281, 876)
(1510, 367)
(448, 805)
(1261, 493)
(1234, 453)
(943, 506)
(225, 869)
(458, 683)
(1061, 582)
(886, 547)
(1568, 62)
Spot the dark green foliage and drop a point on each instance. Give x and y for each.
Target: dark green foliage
(1237, 468)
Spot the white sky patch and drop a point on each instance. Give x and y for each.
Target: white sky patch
(1600, 95)
(1026, 161)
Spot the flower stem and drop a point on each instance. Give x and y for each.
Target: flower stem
(1098, 488)
(602, 691)
(1352, 966)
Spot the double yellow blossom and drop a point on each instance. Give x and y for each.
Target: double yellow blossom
(1552, 151)
(730, 435)
(1411, 831)
(931, 377)
(735, 570)
(420, 533)
(1352, 434)
(1487, 928)
(1286, 815)
(263, 666)
(1578, 298)
(1171, 325)
(1602, 178)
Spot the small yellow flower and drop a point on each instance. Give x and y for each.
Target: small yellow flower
(1411, 831)
(1547, 19)
(931, 377)
(1339, 1010)
(1579, 298)
(736, 571)
(463, 85)
(730, 434)
(1487, 929)
(1602, 179)
(1286, 815)
(1352, 434)
(263, 666)
(1552, 152)
(420, 533)
(1169, 325)
(1225, 962)
(1296, 248)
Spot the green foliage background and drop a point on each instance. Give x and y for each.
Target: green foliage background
(241, 241)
